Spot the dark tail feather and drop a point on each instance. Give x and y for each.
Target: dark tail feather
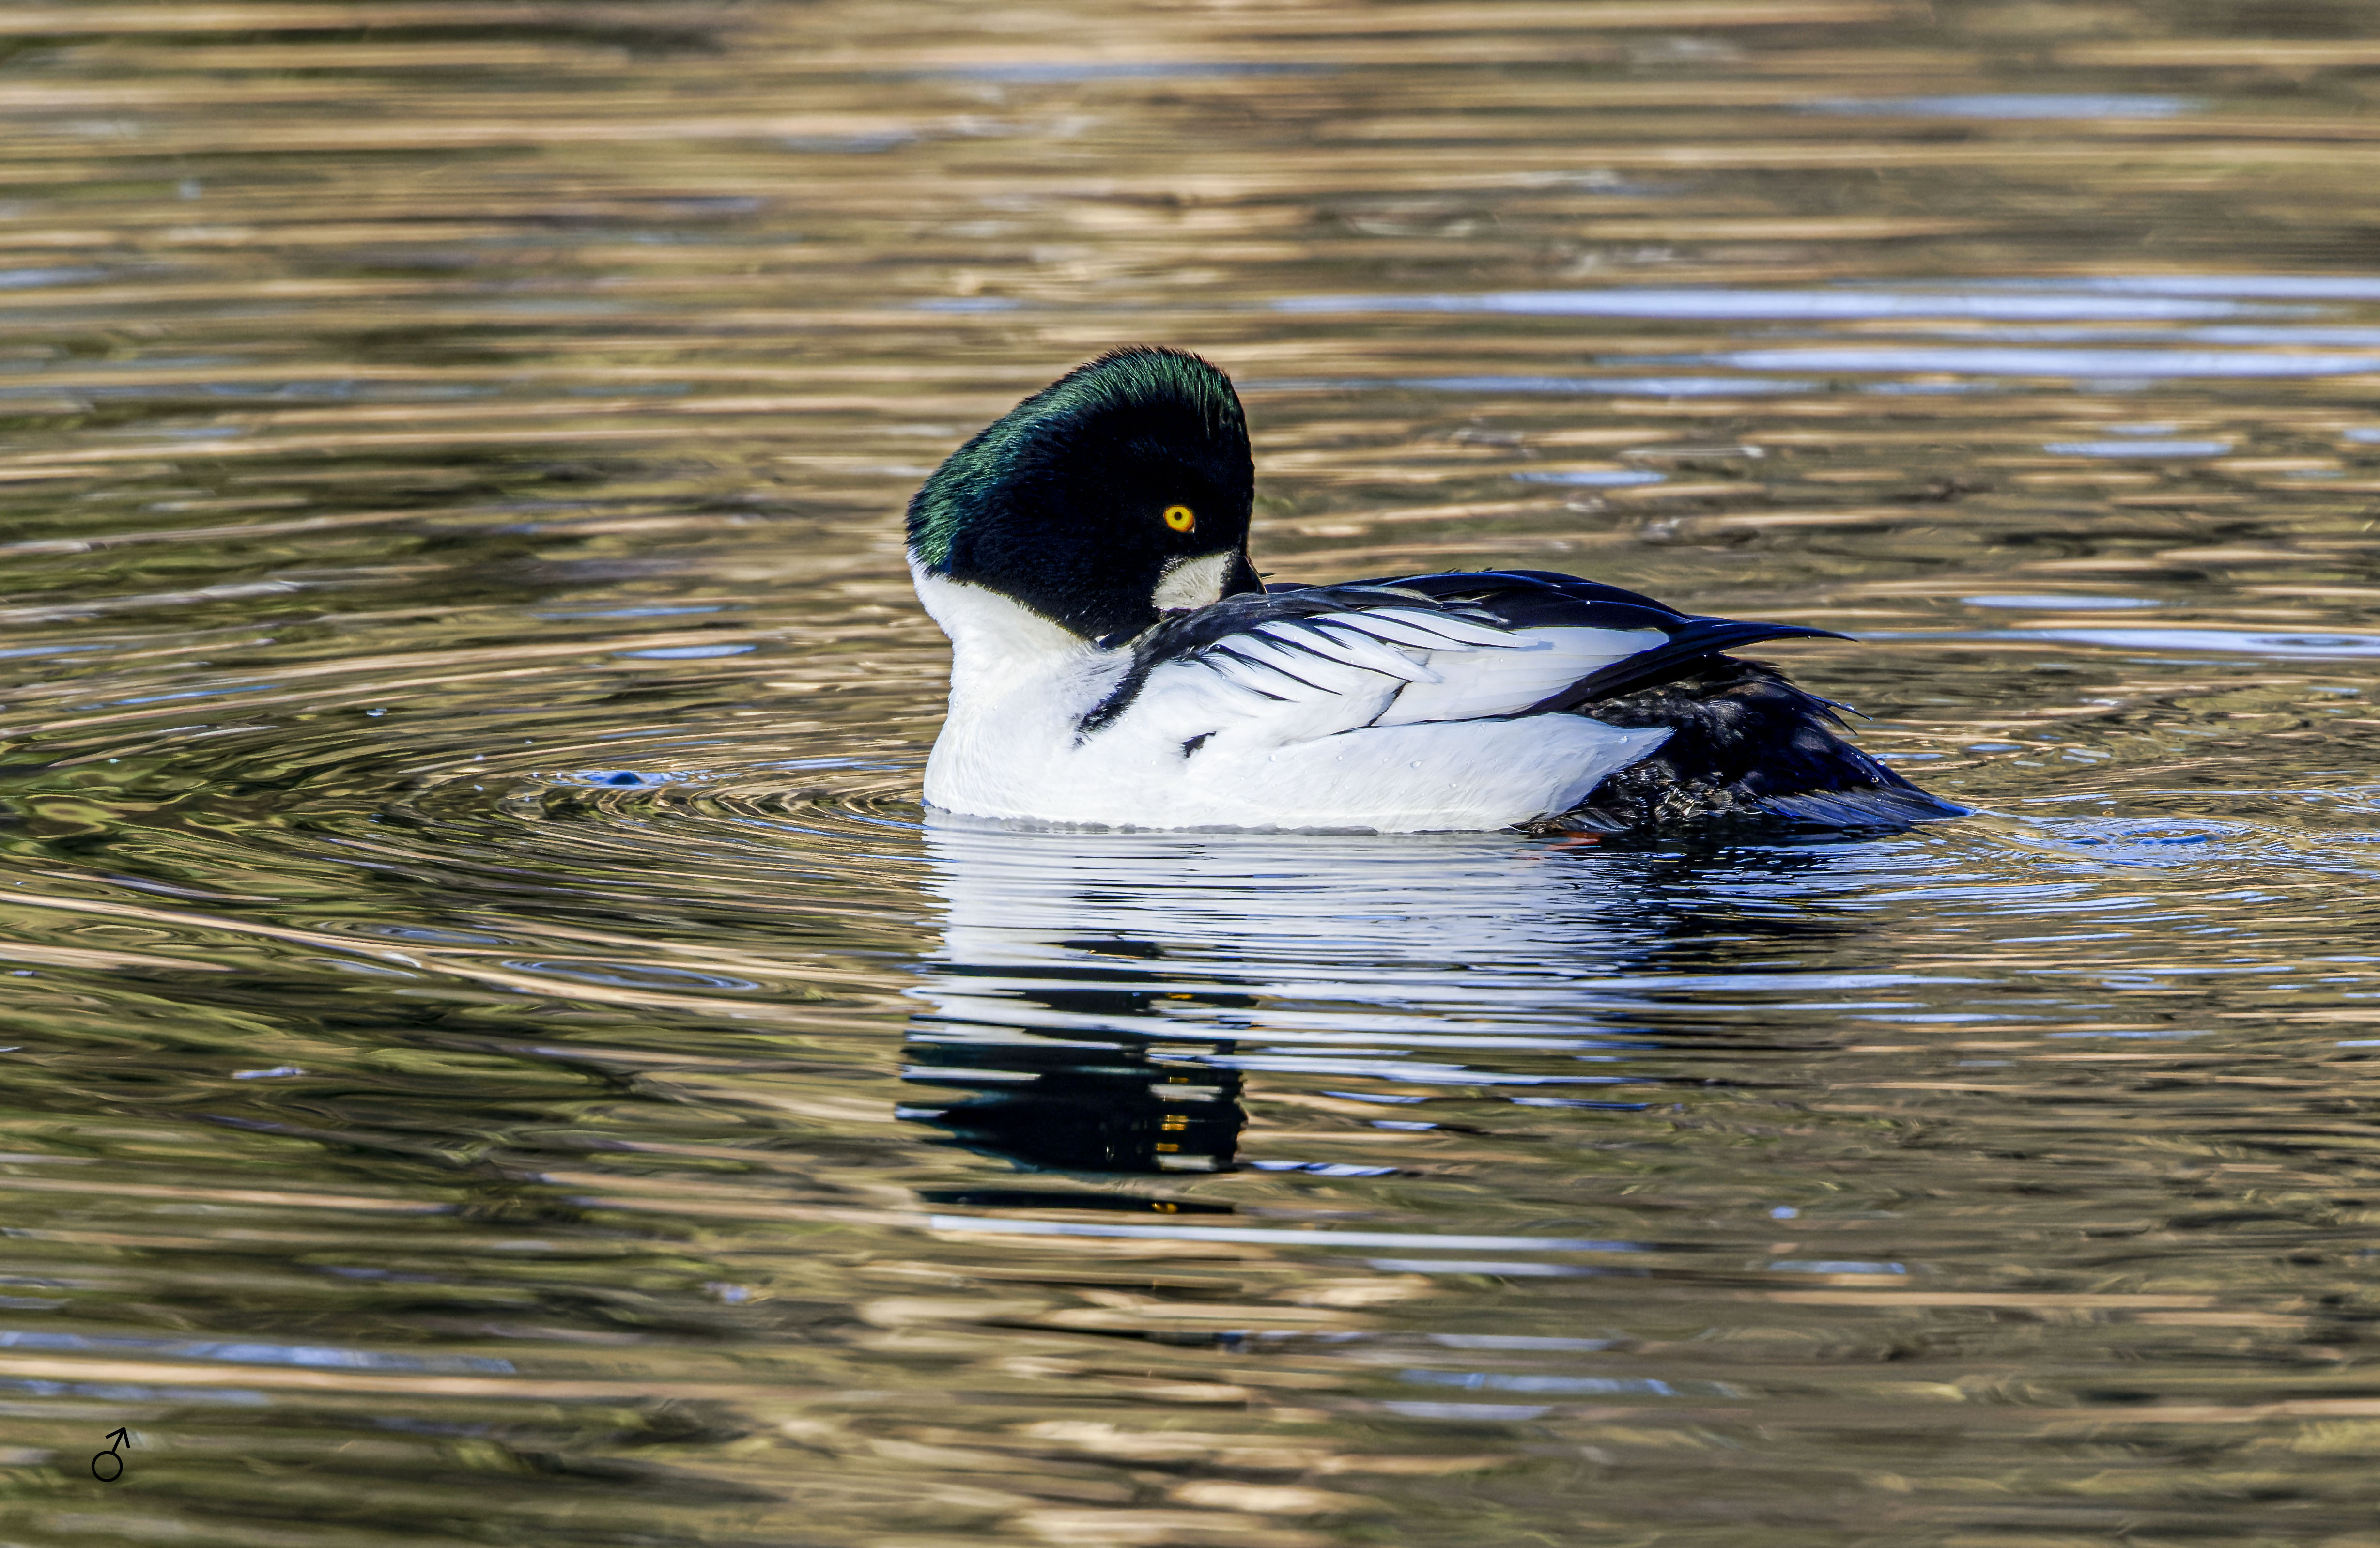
(1688, 651)
(1744, 742)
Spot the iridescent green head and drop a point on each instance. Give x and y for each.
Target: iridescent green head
(1119, 492)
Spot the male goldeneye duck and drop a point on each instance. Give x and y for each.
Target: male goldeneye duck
(1115, 660)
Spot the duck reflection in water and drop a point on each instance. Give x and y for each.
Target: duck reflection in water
(1099, 997)
(1069, 1000)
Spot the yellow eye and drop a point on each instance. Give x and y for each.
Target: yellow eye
(1180, 518)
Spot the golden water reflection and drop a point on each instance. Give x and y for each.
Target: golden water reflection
(494, 1050)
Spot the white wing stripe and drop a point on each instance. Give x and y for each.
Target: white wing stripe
(1468, 630)
(1350, 647)
(1257, 657)
(1389, 633)
(1248, 673)
(1323, 672)
(1399, 627)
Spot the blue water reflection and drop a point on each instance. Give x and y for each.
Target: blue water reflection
(2007, 105)
(2085, 302)
(2148, 363)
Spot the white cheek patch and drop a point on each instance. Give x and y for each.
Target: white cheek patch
(1191, 583)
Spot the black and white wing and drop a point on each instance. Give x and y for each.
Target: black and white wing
(1743, 739)
(1298, 663)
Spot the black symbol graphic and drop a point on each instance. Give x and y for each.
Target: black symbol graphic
(108, 1466)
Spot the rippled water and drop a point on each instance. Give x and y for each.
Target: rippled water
(495, 1052)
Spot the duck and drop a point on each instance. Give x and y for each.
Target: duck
(1117, 661)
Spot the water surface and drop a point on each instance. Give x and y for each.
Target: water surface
(495, 1052)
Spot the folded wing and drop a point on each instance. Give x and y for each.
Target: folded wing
(1300, 663)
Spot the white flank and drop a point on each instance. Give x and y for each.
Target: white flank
(1303, 724)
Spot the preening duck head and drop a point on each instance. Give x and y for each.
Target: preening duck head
(1119, 493)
